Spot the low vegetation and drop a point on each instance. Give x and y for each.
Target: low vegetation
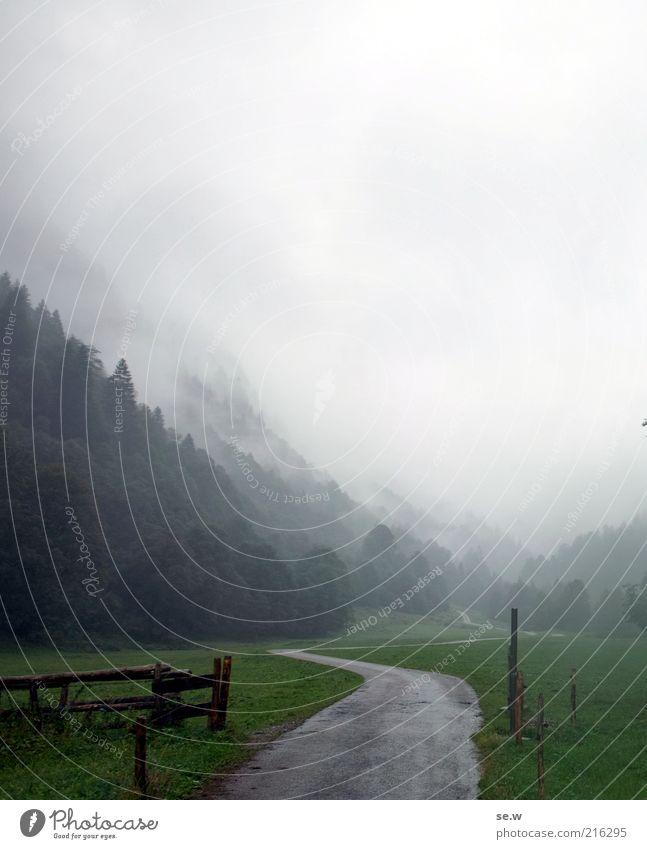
(602, 755)
(94, 760)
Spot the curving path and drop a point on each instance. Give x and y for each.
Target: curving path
(404, 734)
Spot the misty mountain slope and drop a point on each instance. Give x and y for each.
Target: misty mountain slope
(468, 536)
(116, 525)
(114, 522)
(175, 539)
(403, 578)
(280, 488)
(607, 558)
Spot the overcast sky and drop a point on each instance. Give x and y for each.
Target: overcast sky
(416, 227)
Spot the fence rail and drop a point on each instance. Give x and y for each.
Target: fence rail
(164, 701)
(60, 679)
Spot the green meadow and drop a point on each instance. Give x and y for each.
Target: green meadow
(602, 755)
(268, 694)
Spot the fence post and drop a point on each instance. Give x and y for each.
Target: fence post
(140, 755)
(224, 691)
(34, 706)
(540, 746)
(518, 708)
(64, 695)
(573, 697)
(512, 666)
(156, 690)
(212, 717)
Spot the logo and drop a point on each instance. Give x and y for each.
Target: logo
(32, 822)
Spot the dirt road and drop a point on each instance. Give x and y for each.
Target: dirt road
(404, 734)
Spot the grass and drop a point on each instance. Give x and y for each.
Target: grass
(403, 628)
(603, 755)
(95, 761)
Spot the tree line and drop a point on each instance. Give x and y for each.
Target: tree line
(115, 526)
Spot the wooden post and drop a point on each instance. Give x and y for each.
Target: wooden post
(156, 687)
(224, 691)
(34, 706)
(140, 755)
(33, 697)
(212, 717)
(540, 746)
(518, 709)
(573, 697)
(64, 696)
(512, 665)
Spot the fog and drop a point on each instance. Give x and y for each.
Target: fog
(414, 231)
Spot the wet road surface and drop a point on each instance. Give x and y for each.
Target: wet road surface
(403, 734)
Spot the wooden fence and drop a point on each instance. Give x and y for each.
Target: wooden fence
(164, 700)
(515, 707)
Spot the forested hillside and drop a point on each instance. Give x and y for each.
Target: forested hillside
(116, 524)
(606, 558)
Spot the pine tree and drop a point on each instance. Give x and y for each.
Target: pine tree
(188, 444)
(5, 286)
(123, 383)
(121, 401)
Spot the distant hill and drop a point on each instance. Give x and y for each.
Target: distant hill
(606, 558)
(117, 526)
(466, 537)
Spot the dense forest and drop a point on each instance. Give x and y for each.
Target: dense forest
(115, 525)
